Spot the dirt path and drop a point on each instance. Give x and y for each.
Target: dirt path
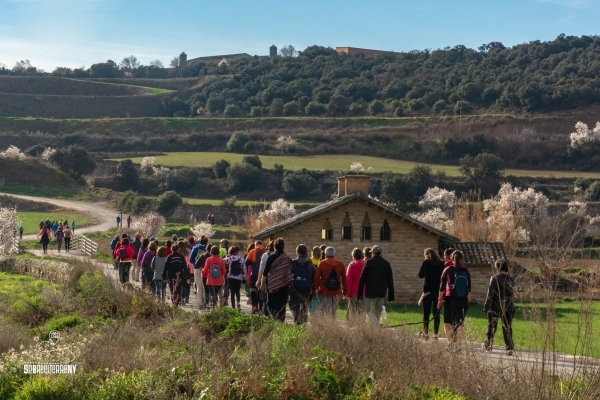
(105, 215)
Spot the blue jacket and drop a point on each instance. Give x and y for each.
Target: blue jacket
(195, 251)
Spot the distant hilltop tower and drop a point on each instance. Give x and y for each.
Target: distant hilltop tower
(182, 59)
(273, 51)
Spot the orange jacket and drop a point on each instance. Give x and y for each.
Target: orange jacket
(322, 273)
(210, 281)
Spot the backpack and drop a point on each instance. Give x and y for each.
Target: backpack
(461, 284)
(236, 268)
(68, 234)
(256, 265)
(301, 278)
(136, 247)
(59, 234)
(123, 253)
(333, 282)
(200, 261)
(215, 271)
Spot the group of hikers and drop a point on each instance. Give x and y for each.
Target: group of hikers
(61, 231)
(314, 280)
(129, 221)
(195, 219)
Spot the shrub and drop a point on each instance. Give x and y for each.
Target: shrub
(592, 193)
(229, 201)
(243, 177)
(74, 161)
(315, 108)
(237, 141)
(416, 105)
(357, 108)
(140, 205)
(298, 184)
(376, 107)
(220, 168)
(276, 109)
(399, 112)
(338, 105)
(253, 160)
(256, 111)
(232, 111)
(291, 108)
(127, 175)
(168, 202)
(465, 105)
(440, 105)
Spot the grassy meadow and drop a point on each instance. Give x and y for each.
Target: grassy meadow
(31, 220)
(339, 162)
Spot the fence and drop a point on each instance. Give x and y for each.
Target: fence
(15, 248)
(82, 243)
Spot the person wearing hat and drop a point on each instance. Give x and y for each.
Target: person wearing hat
(330, 282)
(375, 280)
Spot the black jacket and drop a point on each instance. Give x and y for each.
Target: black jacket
(376, 279)
(500, 295)
(431, 270)
(175, 263)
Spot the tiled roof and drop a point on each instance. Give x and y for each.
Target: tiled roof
(342, 200)
(478, 253)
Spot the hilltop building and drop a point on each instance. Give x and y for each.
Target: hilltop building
(356, 220)
(224, 58)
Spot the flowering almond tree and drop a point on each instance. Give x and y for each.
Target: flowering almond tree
(203, 228)
(148, 164)
(583, 135)
(47, 153)
(437, 197)
(13, 151)
(358, 168)
(435, 218)
(151, 224)
(9, 223)
(279, 210)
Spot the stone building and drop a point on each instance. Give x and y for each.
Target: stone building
(356, 220)
(366, 52)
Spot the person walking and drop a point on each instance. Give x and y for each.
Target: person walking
(330, 282)
(431, 271)
(214, 267)
(158, 266)
(124, 254)
(44, 235)
(455, 296)
(302, 287)
(375, 280)
(199, 280)
(129, 221)
(353, 277)
(144, 264)
(68, 235)
(500, 306)
(73, 226)
(316, 255)
(262, 281)
(223, 251)
(183, 248)
(140, 249)
(175, 273)
(253, 264)
(237, 273)
(198, 249)
(279, 274)
(21, 229)
(60, 235)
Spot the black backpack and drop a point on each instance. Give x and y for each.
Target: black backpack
(236, 268)
(333, 282)
(136, 247)
(301, 275)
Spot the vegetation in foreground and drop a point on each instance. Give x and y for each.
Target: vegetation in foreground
(127, 345)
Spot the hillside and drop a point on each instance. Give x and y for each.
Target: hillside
(31, 173)
(50, 85)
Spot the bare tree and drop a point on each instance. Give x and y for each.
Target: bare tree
(157, 64)
(174, 62)
(130, 63)
(288, 51)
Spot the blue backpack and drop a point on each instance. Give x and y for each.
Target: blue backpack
(301, 276)
(461, 284)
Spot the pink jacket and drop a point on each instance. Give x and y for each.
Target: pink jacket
(353, 276)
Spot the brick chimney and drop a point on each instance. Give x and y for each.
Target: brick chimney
(350, 184)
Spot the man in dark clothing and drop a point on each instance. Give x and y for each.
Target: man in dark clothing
(376, 278)
(278, 271)
(302, 287)
(499, 305)
(175, 273)
(431, 270)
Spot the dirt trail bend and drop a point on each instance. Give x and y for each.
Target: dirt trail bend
(105, 215)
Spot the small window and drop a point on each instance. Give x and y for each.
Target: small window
(347, 228)
(365, 229)
(386, 233)
(327, 232)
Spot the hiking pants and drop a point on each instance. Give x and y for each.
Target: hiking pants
(254, 293)
(235, 285)
(276, 303)
(214, 293)
(200, 292)
(329, 305)
(299, 299)
(506, 320)
(373, 308)
(430, 307)
(135, 270)
(124, 267)
(160, 286)
(59, 243)
(67, 244)
(355, 308)
(175, 289)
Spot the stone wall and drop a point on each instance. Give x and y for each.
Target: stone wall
(50, 271)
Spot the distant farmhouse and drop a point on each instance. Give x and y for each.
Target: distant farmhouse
(223, 59)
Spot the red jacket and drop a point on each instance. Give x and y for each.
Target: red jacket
(130, 253)
(206, 270)
(353, 276)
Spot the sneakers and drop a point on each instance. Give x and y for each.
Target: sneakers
(239, 307)
(486, 347)
(509, 352)
(423, 336)
(435, 337)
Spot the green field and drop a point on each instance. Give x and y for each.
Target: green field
(152, 90)
(31, 220)
(337, 162)
(240, 203)
(527, 331)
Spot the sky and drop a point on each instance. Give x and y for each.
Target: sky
(75, 33)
